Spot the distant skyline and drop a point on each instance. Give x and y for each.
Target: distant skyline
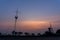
(29, 11)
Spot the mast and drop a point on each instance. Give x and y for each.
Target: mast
(50, 28)
(16, 17)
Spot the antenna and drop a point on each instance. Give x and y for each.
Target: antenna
(50, 28)
(16, 17)
(50, 25)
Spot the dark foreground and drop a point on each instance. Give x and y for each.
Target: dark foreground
(29, 38)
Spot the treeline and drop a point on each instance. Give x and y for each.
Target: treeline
(47, 33)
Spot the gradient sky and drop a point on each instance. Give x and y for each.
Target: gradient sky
(31, 12)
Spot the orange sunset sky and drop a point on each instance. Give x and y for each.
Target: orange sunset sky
(33, 15)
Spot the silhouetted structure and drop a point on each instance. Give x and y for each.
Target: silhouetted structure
(16, 17)
(50, 31)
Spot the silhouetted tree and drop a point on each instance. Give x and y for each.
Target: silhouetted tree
(14, 33)
(58, 32)
(38, 34)
(49, 32)
(26, 34)
(33, 34)
(46, 33)
(20, 33)
(0, 34)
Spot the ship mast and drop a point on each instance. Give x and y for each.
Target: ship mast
(50, 28)
(16, 17)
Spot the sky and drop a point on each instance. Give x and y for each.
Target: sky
(33, 15)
